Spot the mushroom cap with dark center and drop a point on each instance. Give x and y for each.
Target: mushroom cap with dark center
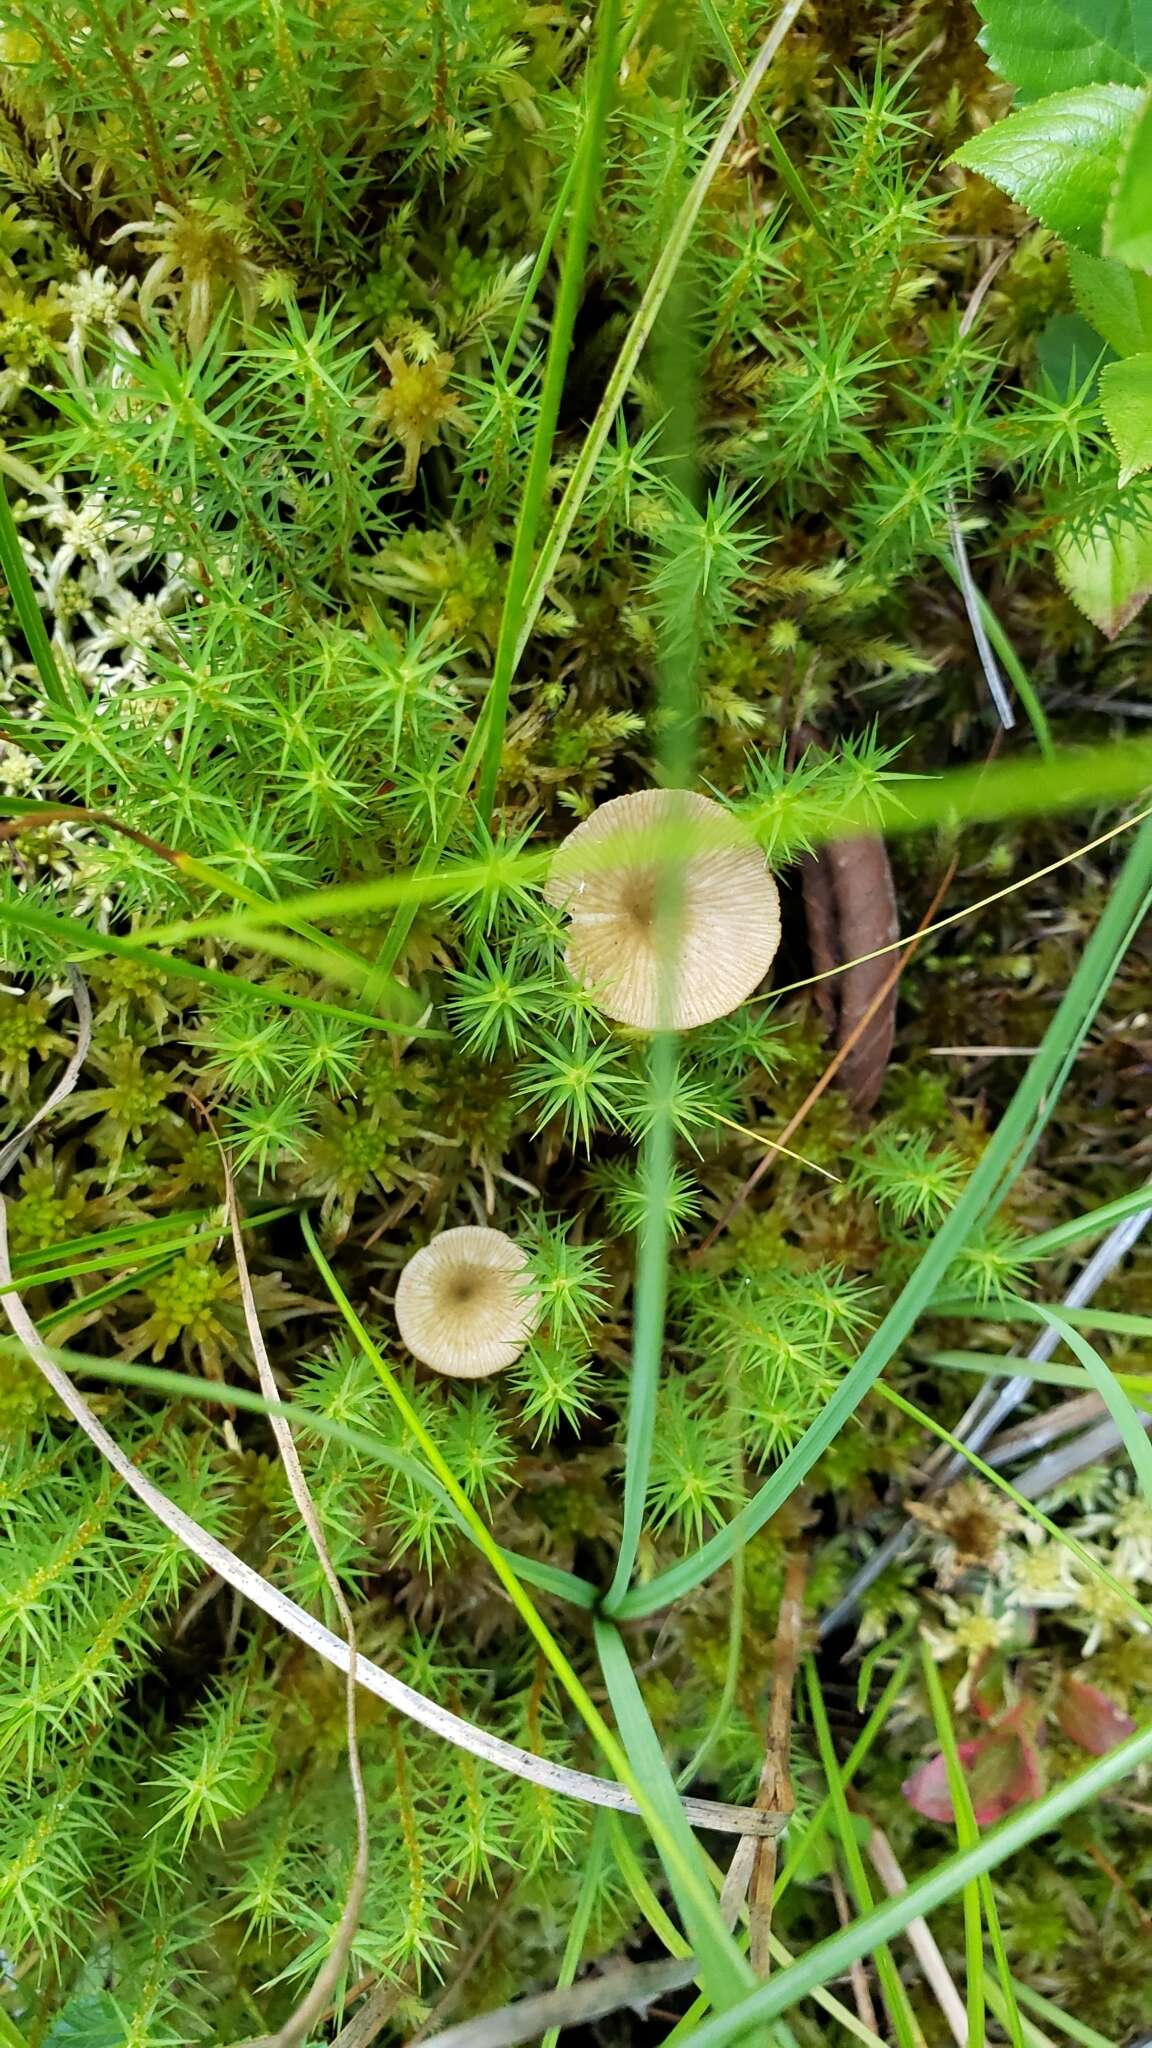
(724, 909)
(464, 1304)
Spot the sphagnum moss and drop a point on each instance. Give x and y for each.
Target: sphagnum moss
(272, 323)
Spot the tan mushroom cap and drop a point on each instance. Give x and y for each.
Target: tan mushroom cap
(462, 1303)
(728, 912)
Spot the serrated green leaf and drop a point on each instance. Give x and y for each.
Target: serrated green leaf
(87, 2023)
(1128, 224)
(1116, 300)
(1060, 158)
(1048, 46)
(1126, 402)
(1107, 571)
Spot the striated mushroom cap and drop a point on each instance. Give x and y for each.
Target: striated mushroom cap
(463, 1303)
(727, 910)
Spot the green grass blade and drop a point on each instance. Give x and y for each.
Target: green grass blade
(1002, 1365)
(627, 362)
(1022, 2033)
(731, 1678)
(647, 1319)
(185, 1387)
(1093, 1223)
(1114, 1398)
(1022, 681)
(77, 940)
(44, 1276)
(1004, 1157)
(138, 1234)
(1002, 1994)
(1075, 778)
(967, 1835)
(801, 1843)
(678, 704)
(1015, 1309)
(540, 264)
(1076, 2030)
(594, 1860)
(127, 1283)
(724, 1971)
(24, 603)
(895, 1997)
(832, 1957)
(590, 151)
(551, 1579)
(636, 1880)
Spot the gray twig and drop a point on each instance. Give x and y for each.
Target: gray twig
(992, 1407)
(632, 1985)
(997, 688)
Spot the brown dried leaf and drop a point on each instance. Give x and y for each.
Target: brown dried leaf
(850, 908)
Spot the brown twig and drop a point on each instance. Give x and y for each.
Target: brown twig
(750, 1875)
(775, 1794)
(1143, 1922)
(364, 2026)
(77, 814)
(857, 1975)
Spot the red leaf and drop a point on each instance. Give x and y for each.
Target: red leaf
(927, 1789)
(1002, 1770)
(1090, 1719)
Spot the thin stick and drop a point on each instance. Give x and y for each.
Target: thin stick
(371, 2020)
(775, 1789)
(758, 1138)
(857, 1975)
(883, 1861)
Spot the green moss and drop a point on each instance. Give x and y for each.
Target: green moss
(271, 379)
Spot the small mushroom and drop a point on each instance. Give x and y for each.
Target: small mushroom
(727, 910)
(463, 1304)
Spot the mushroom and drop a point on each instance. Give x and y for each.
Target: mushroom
(464, 1305)
(726, 914)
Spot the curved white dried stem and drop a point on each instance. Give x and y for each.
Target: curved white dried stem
(569, 1784)
(301, 2022)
